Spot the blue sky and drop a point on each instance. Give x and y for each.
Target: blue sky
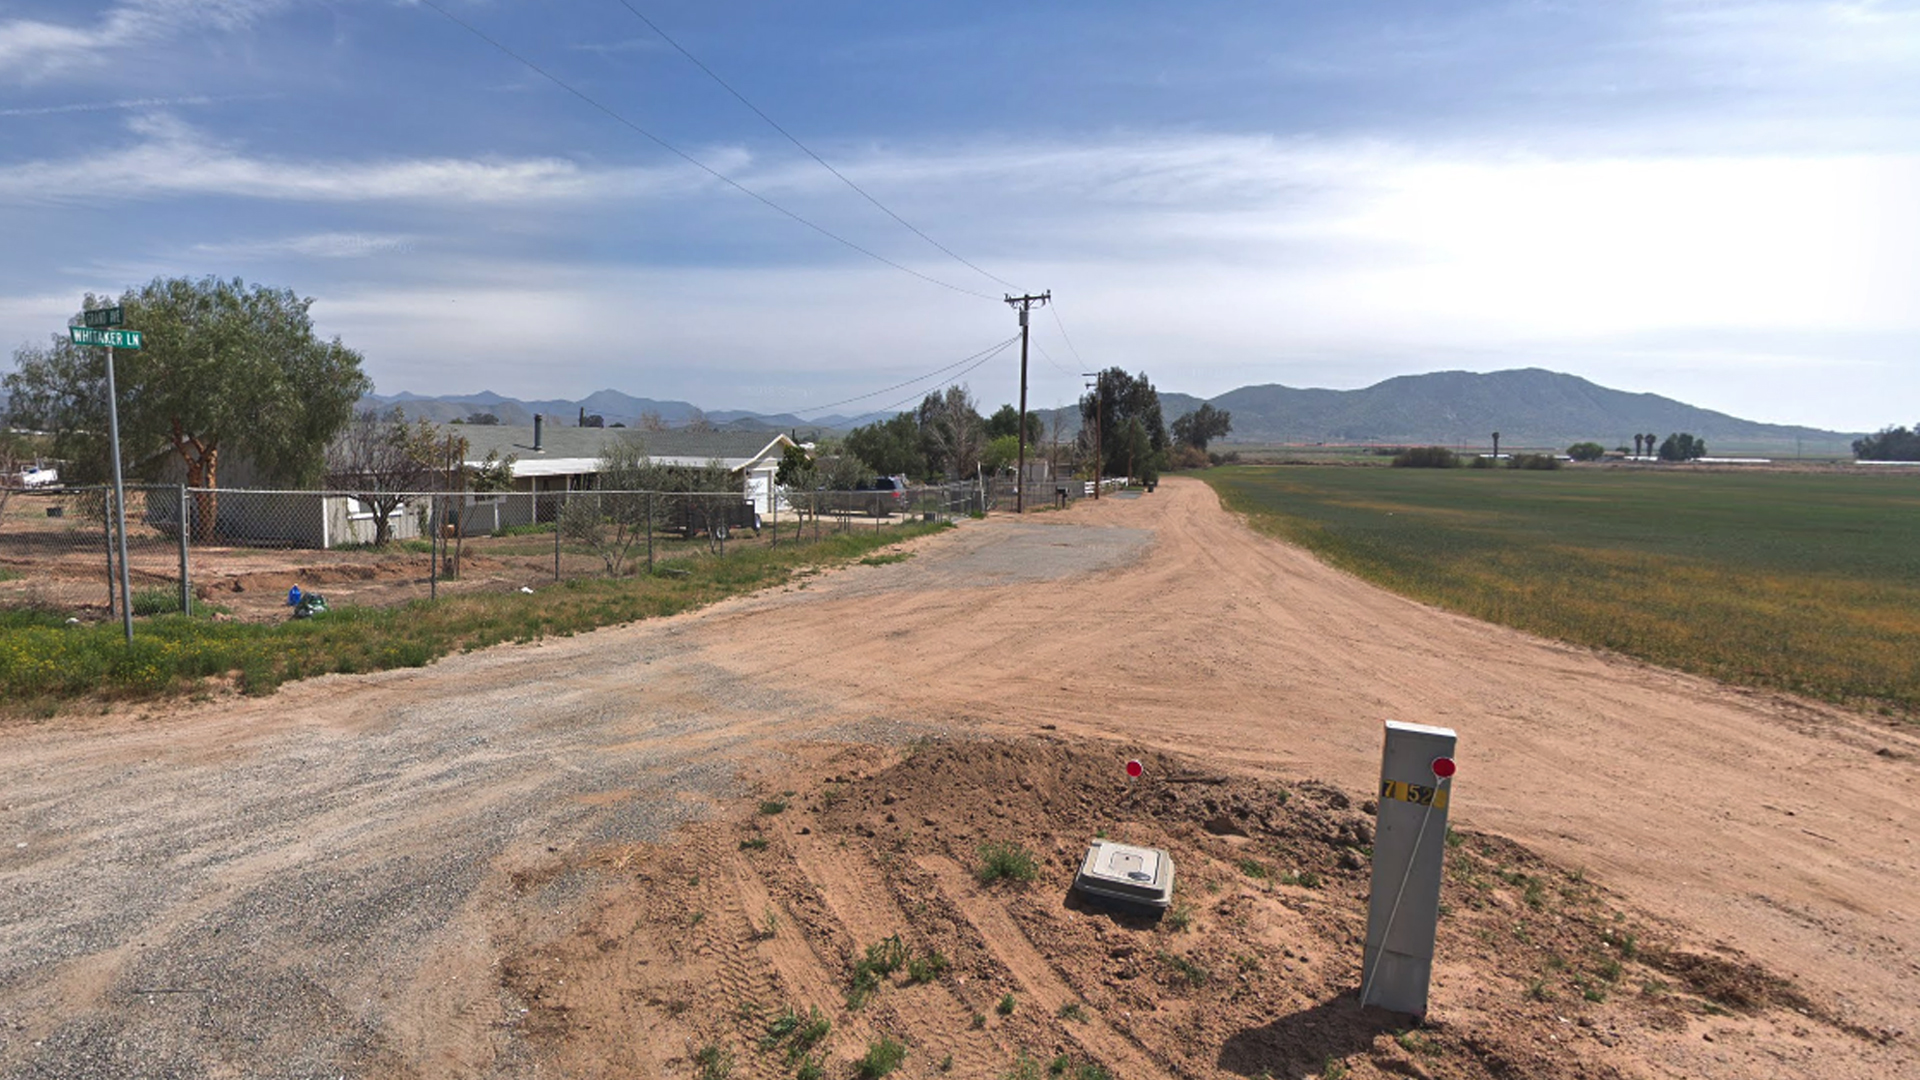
(1715, 201)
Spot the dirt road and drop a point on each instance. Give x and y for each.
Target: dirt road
(325, 881)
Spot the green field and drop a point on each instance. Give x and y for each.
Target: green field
(1808, 582)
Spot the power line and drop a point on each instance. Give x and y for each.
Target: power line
(696, 162)
(1057, 366)
(1055, 308)
(915, 379)
(895, 407)
(804, 148)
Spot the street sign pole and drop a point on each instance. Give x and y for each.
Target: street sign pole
(120, 499)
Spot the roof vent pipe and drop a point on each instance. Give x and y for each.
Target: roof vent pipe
(537, 424)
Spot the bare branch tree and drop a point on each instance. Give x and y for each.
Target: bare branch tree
(619, 513)
(382, 460)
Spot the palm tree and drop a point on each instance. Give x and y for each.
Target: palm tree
(1637, 440)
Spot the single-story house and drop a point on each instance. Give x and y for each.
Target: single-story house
(547, 458)
(550, 458)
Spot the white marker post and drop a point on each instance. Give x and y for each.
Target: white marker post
(1409, 858)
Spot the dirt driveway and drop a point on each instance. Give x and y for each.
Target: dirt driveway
(326, 881)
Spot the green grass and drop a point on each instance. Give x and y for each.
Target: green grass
(44, 660)
(1804, 582)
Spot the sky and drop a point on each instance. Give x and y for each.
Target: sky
(1714, 201)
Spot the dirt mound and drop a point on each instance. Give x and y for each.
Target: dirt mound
(863, 897)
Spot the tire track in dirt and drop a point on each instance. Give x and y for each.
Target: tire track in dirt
(1042, 981)
(931, 1015)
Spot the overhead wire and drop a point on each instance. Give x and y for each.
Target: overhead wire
(915, 379)
(696, 162)
(807, 150)
(1064, 336)
(895, 407)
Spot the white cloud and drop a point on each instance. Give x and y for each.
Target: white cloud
(33, 51)
(174, 160)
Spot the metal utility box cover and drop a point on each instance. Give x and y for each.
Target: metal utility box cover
(1131, 876)
(1409, 856)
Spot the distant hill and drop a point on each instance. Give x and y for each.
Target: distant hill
(1528, 407)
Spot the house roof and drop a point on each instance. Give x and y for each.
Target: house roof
(577, 450)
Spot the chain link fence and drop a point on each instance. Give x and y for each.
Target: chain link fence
(240, 551)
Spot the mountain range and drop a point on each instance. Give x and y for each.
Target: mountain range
(1529, 407)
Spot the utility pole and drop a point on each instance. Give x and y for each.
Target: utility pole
(1024, 304)
(1098, 386)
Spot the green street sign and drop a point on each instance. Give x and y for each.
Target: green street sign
(117, 339)
(106, 316)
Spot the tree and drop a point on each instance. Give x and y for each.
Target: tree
(952, 434)
(1117, 398)
(1001, 453)
(1006, 421)
(697, 421)
(892, 446)
(480, 419)
(1681, 447)
(1891, 444)
(1586, 451)
(493, 474)
(384, 461)
(1496, 444)
(615, 516)
(652, 421)
(226, 367)
(1202, 426)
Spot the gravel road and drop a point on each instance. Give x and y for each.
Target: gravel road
(321, 883)
(317, 884)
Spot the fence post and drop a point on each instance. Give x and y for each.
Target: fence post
(106, 531)
(557, 511)
(433, 550)
(186, 589)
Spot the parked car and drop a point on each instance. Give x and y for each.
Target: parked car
(879, 497)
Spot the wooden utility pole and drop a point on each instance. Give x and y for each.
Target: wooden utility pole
(1024, 304)
(1098, 386)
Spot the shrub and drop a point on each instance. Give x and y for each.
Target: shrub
(1533, 461)
(1425, 457)
(1181, 456)
(1586, 451)
(882, 1058)
(1482, 461)
(1003, 860)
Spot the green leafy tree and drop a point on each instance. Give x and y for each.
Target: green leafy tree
(1682, 447)
(1586, 451)
(225, 367)
(1001, 453)
(1006, 421)
(892, 447)
(1117, 398)
(1890, 444)
(1202, 426)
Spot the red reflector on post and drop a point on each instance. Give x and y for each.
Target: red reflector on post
(1443, 767)
(1134, 769)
